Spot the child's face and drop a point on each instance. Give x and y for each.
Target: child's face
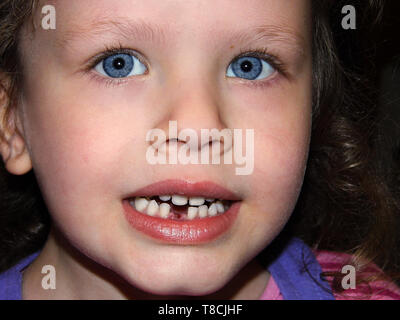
(85, 131)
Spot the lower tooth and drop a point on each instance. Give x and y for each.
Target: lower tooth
(141, 204)
(203, 211)
(212, 211)
(152, 209)
(164, 210)
(192, 212)
(220, 207)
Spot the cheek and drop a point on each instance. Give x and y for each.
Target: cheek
(282, 148)
(65, 147)
(81, 165)
(280, 163)
(77, 154)
(281, 119)
(76, 137)
(282, 160)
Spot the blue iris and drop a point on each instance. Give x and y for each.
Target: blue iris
(250, 68)
(247, 67)
(118, 65)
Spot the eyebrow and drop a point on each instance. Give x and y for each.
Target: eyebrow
(145, 31)
(139, 30)
(271, 33)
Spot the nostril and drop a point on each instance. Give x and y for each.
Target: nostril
(173, 144)
(172, 140)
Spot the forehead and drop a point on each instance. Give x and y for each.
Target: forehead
(176, 9)
(167, 21)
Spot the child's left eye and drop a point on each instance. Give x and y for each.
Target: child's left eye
(120, 65)
(250, 68)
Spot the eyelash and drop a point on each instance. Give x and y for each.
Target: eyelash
(261, 53)
(108, 52)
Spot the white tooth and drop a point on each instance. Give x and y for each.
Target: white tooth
(179, 200)
(152, 209)
(210, 199)
(165, 198)
(192, 212)
(141, 204)
(212, 210)
(196, 201)
(203, 210)
(164, 210)
(220, 207)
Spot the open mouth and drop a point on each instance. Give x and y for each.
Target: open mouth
(176, 211)
(180, 207)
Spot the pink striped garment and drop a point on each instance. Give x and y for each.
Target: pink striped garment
(333, 262)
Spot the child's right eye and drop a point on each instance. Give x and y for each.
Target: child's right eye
(120, 65)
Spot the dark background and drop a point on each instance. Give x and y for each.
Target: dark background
(372, 51)
(388, 78)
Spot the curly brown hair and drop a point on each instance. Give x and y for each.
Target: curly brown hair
(346, 203)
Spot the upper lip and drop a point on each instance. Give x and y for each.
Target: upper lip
(206, 189)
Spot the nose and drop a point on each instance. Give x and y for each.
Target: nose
(194, 109)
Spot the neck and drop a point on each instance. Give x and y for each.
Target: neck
(80, 278)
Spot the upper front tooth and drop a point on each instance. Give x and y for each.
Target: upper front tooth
(179, 200)
(141, 204)
(210, 199)
(165, 198)
(196, 201)
(152, 209)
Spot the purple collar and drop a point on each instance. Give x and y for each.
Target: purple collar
(297, 273)
(11, 280)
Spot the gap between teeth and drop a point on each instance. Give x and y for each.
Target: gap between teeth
(197, 207)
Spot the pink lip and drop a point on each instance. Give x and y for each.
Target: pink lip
(194, 231)
(173, 186)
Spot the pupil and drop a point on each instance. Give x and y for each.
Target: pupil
(119, 63)
(246, 66)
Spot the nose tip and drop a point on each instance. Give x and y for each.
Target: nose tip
(193, 140)
(198, 113)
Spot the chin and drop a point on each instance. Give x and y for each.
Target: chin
(183, 289)
(176, 282)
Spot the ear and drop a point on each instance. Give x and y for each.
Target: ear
(13, 148)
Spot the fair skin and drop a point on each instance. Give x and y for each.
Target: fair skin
(84, 136)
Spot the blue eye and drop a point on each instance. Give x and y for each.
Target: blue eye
(120, 65)
(250, 68)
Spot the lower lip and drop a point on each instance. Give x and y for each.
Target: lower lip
(194, 231)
